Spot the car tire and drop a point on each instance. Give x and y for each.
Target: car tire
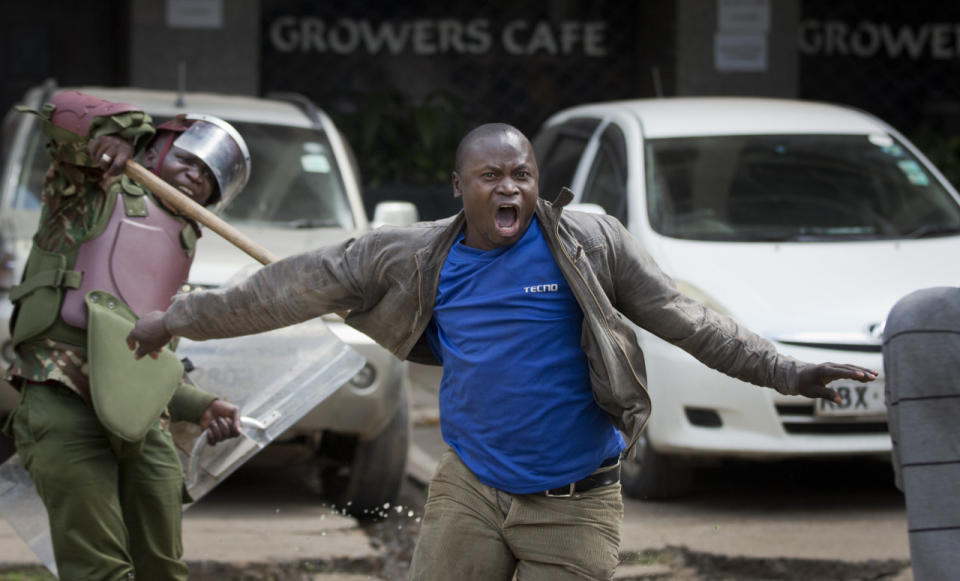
(651, 475)
(361, 476)
(7, 446)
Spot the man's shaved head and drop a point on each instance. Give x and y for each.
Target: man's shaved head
(480, 133)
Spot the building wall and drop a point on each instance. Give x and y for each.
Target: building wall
(757, 56)
(72, 43)
(218, 42)
(417, 73)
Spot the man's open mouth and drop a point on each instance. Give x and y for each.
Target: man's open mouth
(506, 219)
(186, 191)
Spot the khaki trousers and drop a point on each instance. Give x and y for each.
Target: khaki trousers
(114, 507)
(472, 532)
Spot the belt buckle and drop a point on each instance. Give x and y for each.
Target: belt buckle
(573, 486)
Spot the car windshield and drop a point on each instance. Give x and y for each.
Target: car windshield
(294, 180)
(29, 188)
(793, 187)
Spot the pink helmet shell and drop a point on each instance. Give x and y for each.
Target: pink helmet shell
(74, 111)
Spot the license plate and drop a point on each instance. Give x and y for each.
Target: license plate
(858, 399)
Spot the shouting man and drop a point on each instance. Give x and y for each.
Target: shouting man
(521, 303)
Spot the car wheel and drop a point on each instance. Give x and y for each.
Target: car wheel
(652, 475)
(360, 476)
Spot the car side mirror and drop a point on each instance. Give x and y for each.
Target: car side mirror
(588, 208)
(394, 214)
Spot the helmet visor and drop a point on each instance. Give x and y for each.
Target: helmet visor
(222, 150)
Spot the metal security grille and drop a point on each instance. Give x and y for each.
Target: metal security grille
(799, 418)
(406, 80)
(897, 60)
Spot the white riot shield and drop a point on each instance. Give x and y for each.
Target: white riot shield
(21, 506)
(275, 378)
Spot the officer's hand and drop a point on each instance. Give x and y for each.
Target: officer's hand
(110, 153)
(221, 420)
(150, 334)
(814, 379)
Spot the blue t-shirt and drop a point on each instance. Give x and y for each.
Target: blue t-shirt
(515, 399)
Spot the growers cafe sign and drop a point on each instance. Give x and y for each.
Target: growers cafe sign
(427, 37)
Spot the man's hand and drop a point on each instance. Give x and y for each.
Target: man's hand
(110, 153)
(814, 379)
(221, 420)
(150, 334)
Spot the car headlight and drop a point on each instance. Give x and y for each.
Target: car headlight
(191, 286)
(365, 377)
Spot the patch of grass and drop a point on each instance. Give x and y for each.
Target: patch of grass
(648, 557)
(28, 574)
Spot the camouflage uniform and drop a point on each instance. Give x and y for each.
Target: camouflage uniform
(114, 506)
(73, 203)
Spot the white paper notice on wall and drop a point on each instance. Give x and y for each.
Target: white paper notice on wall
(194, 13)
(740, 52)
(743, 15)
(740, 43)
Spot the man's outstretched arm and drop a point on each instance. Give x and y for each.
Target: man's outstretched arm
(651, 300)
(295, 289)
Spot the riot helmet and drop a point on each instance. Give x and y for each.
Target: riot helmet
(219, 146)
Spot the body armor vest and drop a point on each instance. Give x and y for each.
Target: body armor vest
(141, 255)
(140, 260)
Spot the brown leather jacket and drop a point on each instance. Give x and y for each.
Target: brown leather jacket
(388, 279)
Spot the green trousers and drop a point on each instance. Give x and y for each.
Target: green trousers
(472, 532)
(114, 507)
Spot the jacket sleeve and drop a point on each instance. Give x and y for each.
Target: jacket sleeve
(289, 291)
(189, 402)
(649, 298)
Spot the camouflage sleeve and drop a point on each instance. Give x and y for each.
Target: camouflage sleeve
(72, 172)
(189, 402)
(133, 126)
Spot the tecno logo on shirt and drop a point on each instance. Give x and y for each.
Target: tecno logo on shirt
(542, 288)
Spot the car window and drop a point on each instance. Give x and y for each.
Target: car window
(30, 181)
(606, 184)
(294, 182)
(294, 179)
(793, 187)
(558, 150)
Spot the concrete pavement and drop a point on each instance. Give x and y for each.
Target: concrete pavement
(249, 522)
(842, 515)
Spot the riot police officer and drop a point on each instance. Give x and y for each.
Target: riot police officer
(105, 252)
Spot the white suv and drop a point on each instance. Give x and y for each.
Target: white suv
(303, 192)
(804, 221)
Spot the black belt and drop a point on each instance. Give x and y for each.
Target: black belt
(595, 480)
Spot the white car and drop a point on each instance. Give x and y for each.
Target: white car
(804, 221)
(303, 193)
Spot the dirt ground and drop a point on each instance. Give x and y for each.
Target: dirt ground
(789, 522)
(393, 537)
